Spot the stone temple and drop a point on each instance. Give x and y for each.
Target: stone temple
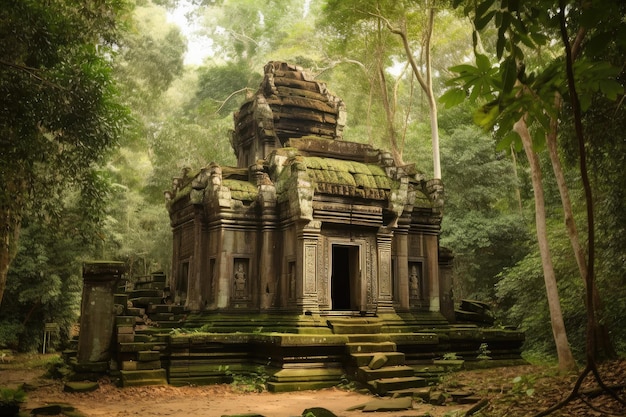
(307, 223)
(313, 261)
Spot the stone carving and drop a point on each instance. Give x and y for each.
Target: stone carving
(414, 283)
(240, 281)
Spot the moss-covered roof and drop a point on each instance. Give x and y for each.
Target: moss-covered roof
(241, 190)
(334, 176)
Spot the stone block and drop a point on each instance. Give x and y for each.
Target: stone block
(91, 367)
(148, 355)
(125, 329)
(391, 404)
(125, 320)
(140, 366)
(142, 378)
(364, 359)
(370, 347)
(436, 398)
(366, 374)
(385, 385)
(378, 361)
(125, 338)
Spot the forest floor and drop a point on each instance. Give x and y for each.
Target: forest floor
(511, 391)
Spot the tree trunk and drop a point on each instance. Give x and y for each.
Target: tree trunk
(425, 82)
(564, 354)
(603, 342)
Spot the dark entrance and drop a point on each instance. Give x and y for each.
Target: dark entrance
(345, 277)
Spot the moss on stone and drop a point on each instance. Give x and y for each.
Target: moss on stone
(241, 190)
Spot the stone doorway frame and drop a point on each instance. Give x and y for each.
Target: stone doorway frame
(356, 264)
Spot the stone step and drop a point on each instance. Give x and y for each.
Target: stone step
(370, 347)
(300, 385)
(166, 308)
(384, 386)
(145, 301)
(364, 373)
(144, 377)
(363, 328)
(150, 286)
(146, 292)
(364, 359)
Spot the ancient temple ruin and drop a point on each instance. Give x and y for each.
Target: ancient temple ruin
(306, 223)
(313, 260)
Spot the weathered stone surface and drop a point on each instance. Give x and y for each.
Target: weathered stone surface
(97, 310)
(391, 404)
(148, 355)
(436, 398)
(378, 361)
(141, 378)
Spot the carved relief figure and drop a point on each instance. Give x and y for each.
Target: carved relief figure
(414, 283)
(240, 282)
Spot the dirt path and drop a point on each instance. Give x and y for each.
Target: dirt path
(513, 391)
(209, 401)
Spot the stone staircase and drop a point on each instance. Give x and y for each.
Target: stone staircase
(382, 369)
(141, 330)
(373, 362)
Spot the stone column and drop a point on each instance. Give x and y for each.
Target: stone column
(97, 318)
(306, 265)
(401, 289)
(385, 296)
(432, 272)
(446, 264)
(194, 293)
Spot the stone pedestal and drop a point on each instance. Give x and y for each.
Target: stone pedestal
(97, 318)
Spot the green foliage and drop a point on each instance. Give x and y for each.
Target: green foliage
(11, 396)
(482, 224)
(44, 283)
(60, 113)
(524, 385)
(483, 352)
(251, 381)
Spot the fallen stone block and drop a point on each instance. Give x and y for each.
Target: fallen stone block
(378, 361)
(436, 398)
(391, 404)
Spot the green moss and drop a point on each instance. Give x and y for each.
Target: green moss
(422, 200)
(241, 190)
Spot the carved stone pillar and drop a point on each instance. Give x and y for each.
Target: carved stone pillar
(432, 271)
(194, 293)
(401, 285)
(306, 266)
(383, 245)
(97, 310)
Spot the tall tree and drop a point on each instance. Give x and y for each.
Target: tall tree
(59, 113)
(413, 23)
(525, 98)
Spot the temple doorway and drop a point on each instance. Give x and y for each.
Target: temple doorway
(345, 278)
